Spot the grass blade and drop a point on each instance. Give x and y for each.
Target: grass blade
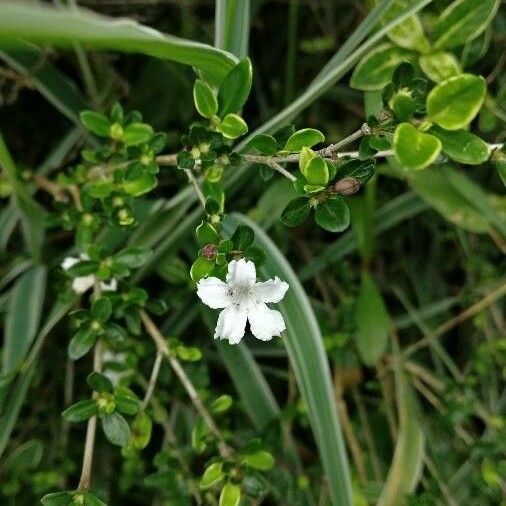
(43, 24)
(231, 26)
(305, 349)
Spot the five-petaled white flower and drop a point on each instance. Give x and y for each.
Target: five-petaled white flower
(83, 283)
(242, 299)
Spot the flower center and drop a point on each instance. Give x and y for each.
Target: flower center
(240, 293)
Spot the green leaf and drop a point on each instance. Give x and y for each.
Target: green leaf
(80, 411)
(207, 234)
(375, 70)
(372, 323)
(261, 460)
(25, 457)
(232, 126)
(454, 103)
(81, 343)
(141, 430)
(212, 475)
(137, 133)
(201, 268)
(308, 359)
(82, 268)
(242, 237)
(462, 21)
(499, 162)
(439, 66)
(101, 309)
(413, 149)
(265, 144)
(230, 495)
(409, 34)
(92, 500)
(64, 27)
(99, 382)
(140, 185)
(222, 404)
(462, 146)
(96, 123)
(126, 401)
(315, 171)
(235, 88)
(333, 214)
(23, 317)
(296, 212)
(361, 170)
(133, 257)
(57, 499)
(307, 137)
(204, 99)
(116, 429)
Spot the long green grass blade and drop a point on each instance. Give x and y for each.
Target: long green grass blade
(407, 464)
(304, 344)
(44, 24)
(231, 26)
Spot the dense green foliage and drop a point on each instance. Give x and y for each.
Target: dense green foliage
(354, 150)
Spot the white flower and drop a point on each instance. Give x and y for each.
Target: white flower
(242, 299)
(83, 283)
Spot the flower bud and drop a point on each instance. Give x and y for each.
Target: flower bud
(347, 186)
(209, 251)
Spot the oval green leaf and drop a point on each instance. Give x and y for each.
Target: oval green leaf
(413, 149)
(454, 103)
(235, 88)
(116, 429)
(307, 137)
(296, 212)
(462, 146)
(333, 215)
(232, 126)
(204, 99)
(439, 66)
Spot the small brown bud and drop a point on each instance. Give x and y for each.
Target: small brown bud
(347, 186)
(209, 251)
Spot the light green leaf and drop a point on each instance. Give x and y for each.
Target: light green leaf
(57, 499)
(137, 133)
(116, 429)
(232, 126)
(97, 123)
(462, 21)
(454, 103)
(307, 137)
(462, 146)
(63, 27)
(375, 70)
(230, 495)
(439, 66)
(212, 475)
(201, 268)
(235, 88)
(204, 99)
(261, 460)
(413, 149)
(303, 341)
(372, 323)
(409, 34)
(316, 171)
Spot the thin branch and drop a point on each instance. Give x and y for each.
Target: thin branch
(196, 187)
(91, 429)
(153, 379)
(225, 450)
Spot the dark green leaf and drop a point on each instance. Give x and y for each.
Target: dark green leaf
(81, 343)
(235, 88)
(242, 237)
(296, 212)
(116, 429)
(99, 382)
(80, 411)
(133, 257)
(333, 215)
(101, 309)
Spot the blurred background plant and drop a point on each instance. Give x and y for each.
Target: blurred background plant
(410, 301)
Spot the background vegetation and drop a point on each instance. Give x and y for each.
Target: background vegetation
(408, 304)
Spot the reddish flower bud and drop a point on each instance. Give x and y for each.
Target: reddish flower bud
(347, 186)
(209, 251)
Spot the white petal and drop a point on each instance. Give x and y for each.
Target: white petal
(214, 293)
(265, 323)
(112, 286)
(69, 262)
(83, 283)
(272, 290)
(232, 323)
(241, 272)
